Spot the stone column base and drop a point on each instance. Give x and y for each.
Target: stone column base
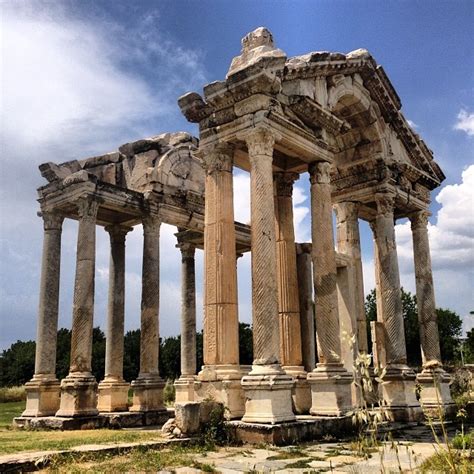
(331, 390)
(42, 396)
(78, 396)
(436, 400)
(113, 395)
(268, 395)
(301, 392)
(221, 383)
(397, 391)
(148, 393)
(184, 388)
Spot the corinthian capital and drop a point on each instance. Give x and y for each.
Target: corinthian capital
(347, 211)
(284, 183)
(87, 208)
(118, 233)
(187, 249)
(419, 220)
(151, 224)
(217, 157)
(319, 172)
(51, 220)
(260, 142)
(385, 204)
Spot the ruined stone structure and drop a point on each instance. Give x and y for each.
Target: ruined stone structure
(335, 116)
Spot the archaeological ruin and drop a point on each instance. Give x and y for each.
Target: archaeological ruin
(335, 116)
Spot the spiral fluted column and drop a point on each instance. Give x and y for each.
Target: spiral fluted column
(330, 381)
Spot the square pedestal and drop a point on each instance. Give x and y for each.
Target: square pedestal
(113, 396)
(78, 396)
(398, 394)
(221, 383)
(331, 390)
(184, 389)
(301, 392)
(148, 394)
(268, 395)
(436, 400)
(42, 397)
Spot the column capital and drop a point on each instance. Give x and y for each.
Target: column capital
(385, 204)
(346, 210)
(87, 207)
(151, 224)
(305, 247)
(419, 220)
(217, 157)
(51, 220)
(284, 183)
(187, 249)
(260, 141)
(117, 232)
(319, 172)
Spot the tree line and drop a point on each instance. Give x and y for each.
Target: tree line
(17, 362)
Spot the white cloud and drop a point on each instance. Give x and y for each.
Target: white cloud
(452, 248)
(465, 122)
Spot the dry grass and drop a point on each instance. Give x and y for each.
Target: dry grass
(12, 394)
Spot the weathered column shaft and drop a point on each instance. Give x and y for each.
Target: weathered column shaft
(83, 306)
(348, 243)
(45, 358)
(288, 302)
(221, 326)
(305, 287)
(324, 265)
(188, 310)
(266, 334)
(425, 299)
(389, 299)
(149, 335)
(116, 303)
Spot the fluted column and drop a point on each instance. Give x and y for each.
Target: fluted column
(331, 395)
(398, 389)
(348, 243)
(79, 388)
(43, 389)
(221, 325)
(267, 375)
(435, 381)
(288, 301)
(113, 390)
(185, 384)
(148, 387)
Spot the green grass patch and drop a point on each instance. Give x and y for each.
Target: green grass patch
(458, 463)
(138, 460)
(19, 440)
(301, 464)
(10, 410)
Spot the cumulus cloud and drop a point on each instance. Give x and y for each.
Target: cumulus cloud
(465, 122)
(73, 87)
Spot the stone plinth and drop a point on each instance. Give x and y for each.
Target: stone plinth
(148, 393)
(435, 396)
(184, 389)
(268, 397)
(78, 396)
(42, 397)
(113, 395)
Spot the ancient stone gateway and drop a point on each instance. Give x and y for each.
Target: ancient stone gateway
(335, 116)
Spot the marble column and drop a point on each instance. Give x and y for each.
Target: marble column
(288, 300)
(148, 387)
(79, 388)
(43, 389)
(330, 381)
(348, 243)
(221, 325)
(305, 287)
(435, 394)
(185, 384)
(113, 390)
(398, 389)
(267, 387)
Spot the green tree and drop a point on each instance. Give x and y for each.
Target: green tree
(245, 344)
(450, 331)
(131, 356)
(17, 364)
(468, 347)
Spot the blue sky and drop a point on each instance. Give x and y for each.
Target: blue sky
(82, 77)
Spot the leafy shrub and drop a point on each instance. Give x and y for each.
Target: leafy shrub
(169, 393)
